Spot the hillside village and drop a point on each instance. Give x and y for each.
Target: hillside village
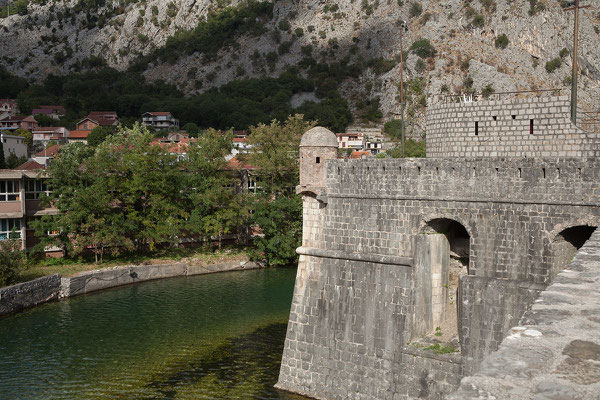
(29, 149)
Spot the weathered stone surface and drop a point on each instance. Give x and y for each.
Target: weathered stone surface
(28, 294)
(41, 290)
(91, 281)
(562, 362)
(533, 128)
(354, 310)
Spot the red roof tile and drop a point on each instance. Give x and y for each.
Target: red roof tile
(49, 152)
(236, 163)
(30, 166)
(79, 134)
(359, 154)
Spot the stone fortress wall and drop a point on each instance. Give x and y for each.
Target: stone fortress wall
(528, 127)
(372, 269)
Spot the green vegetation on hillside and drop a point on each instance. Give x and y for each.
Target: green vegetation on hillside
(216, 32)
(237, 104)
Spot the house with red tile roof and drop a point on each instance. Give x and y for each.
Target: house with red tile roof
(30, 166)
(360, 154)
(160, 120)
(45, 156)
(52, 111)
(19, 121)
(98, 118)
(78, 136)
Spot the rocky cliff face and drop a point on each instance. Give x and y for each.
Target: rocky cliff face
(53, 39)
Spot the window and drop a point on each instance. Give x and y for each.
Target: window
(33, 188)
(253, 184)
(10, 191)
(10, 228)
(531, 127)
(318, 160)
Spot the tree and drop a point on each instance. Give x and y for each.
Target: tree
(12, 261)
(277, 209)
(412, 148)
(280, 222)
(123, 195)
(192, 129)
(275, 153)
(214, 208)
(27, 135)
(99, 135)
(393, 128)
(12, 161)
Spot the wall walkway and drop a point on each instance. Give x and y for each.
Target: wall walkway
(555, 352)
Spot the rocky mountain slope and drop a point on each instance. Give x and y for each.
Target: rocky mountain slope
(471, 53)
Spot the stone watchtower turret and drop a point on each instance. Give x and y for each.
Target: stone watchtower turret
(318, 145)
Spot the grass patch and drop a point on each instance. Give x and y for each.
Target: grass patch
(439, 349)
(71, 266)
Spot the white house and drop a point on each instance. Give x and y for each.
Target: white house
(160, 120)
(44, 134)
(351, 140)
(240, 146)
(13, 144)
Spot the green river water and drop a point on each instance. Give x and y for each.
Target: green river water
(216, 336)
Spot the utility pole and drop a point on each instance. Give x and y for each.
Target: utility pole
(575, 8)
(403, 28)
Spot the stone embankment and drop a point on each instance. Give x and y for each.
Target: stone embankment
(28, 294)
(555, 352)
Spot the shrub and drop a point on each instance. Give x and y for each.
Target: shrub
(284, 47)
(381, 65)
(420, 66)
(567, 80)
(154, 10)
(331, 8)
(563, 53)
(553, 65)
(415, 9)
(423, 48)
(478, 21)
(12, 261)
(284, 25)
(487, 91)
(501, 41)
(299, 32)
(171, 10)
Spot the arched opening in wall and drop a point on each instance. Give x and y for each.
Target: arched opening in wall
(566, 244)
(459, 242)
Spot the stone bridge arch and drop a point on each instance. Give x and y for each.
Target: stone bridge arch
(565, 240)
(442, 254)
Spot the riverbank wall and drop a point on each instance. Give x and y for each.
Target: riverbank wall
(48, 288)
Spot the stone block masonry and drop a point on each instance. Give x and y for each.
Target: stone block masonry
(555, 352)
(28, 294)
(530, 127)
(356, 302)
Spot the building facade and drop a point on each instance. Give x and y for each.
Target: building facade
(20, 191)
(160, 120)
(13, 144)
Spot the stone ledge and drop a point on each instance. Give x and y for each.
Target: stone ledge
(364, 257)
(41, 290)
